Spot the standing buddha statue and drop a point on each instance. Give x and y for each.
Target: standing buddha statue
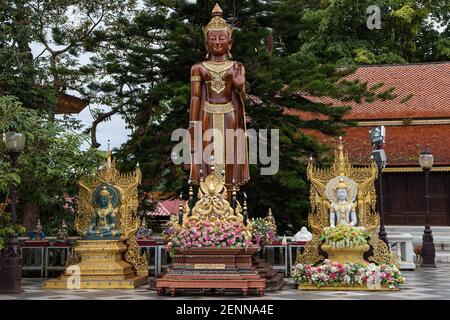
(217, 102)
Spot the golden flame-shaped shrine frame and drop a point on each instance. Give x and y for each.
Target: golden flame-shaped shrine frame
(365, 205)
(128, 221)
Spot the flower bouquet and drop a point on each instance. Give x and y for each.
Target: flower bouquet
(334, 274)
(214, 234)
(344, 236)
(262, 231)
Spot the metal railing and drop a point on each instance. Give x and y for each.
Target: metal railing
(50, 256)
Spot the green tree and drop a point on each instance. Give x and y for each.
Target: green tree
(62, 31)
(50, 165)
(336, 30)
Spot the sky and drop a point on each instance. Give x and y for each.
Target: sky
(113, 130)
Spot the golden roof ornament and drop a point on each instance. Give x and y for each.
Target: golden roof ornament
(108, 156)
(217, 22)
(270, 219)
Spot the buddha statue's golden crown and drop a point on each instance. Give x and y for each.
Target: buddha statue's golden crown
(104, 192)
(217, 22)
(341, 184)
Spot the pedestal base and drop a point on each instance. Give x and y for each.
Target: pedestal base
(102, 266)
(212, 268)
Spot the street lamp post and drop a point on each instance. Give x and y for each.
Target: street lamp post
(426, 161)
(12, 273)
(378, 138)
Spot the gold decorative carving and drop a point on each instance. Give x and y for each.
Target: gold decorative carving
(216, 108)
(381, 254)
(311, 254)
(402, 122)
(346, 255)
(133, 256)
(218, 71)
(414, 169)
(364, 177)
(212, 204)
(101, 266)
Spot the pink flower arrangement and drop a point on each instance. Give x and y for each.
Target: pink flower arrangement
(348, 274)
(69, 203)
(263, 232)
(207, 234)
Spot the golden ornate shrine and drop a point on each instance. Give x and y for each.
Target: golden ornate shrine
(212, 267)
(115, 261)
(364, 195)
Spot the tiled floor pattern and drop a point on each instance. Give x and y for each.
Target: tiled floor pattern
(422, 284)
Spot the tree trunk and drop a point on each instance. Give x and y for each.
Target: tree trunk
(96, 122)
(31, 214)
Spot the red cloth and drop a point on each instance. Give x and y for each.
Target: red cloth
(36, 243)
(146, 243)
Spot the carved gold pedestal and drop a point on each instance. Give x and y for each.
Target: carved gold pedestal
(346, 254)
(102, 266)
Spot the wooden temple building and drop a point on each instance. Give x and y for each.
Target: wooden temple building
(68, 104)
(417, 119)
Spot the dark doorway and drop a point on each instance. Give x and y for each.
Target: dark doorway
(404, 198)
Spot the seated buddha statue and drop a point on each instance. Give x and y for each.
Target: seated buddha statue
(342, 211)
(103, 223)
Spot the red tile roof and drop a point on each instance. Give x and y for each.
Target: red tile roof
(403, 143)
(165, 208)
(428, 83)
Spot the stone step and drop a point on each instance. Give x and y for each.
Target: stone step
(442, 256)
(438, 230)
(441, 236)
(275, 283)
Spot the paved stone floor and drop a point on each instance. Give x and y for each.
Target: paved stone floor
(422, 284)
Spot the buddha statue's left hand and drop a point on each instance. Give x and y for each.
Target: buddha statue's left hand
(239, 77)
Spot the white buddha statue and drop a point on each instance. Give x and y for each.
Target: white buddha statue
(303, 235)
(342, 212)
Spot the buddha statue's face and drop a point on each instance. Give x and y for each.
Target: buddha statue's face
(218, 43)
(104, 201)
(341, 194)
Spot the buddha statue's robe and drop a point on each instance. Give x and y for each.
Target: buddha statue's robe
(343, 213)
(103, 225)
(221, 97)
